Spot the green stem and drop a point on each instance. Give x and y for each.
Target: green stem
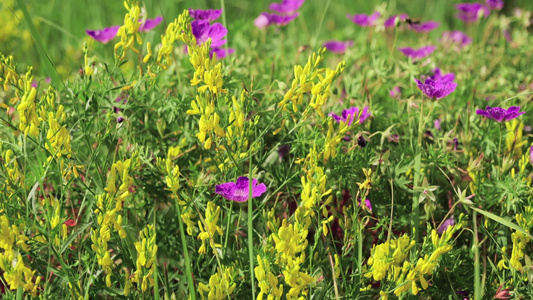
(313, 41)
(415, 212)
(250, 226)
(192, 292)
(477, 282)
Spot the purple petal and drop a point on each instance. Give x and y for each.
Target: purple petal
(226, 190)
(258, 190)
(449, 222)
(425, 27)
(150, 24)
(394, 19)
(286, 7)
(337, 46)
(221, 52)
(104, 35)
(364, 20)
(207, 15)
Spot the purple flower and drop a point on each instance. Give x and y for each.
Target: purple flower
(417, 53)
(150, 24)
(337, 46)
(116, 109)
(472, 12)
(395, 92)
(120, 119)
(494, 4)
(239, 191)
(221, 52)
(368, 205)
(266, 19)
(456, 37)
(436, 124)
(436, 89)
(207, 15)
(499, 114)
(425, 27)
(364, 20)
(449, 222)
(104, 35)
(286, 7)
(395, 19)
(202, 30)
(350, 114)
(437, 76)
(531, 155)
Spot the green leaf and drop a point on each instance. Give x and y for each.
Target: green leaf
(501, 221)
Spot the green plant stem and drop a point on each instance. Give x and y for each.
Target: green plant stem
(415, 212)
(313, 41)
(477, 282)
(192, 292)
(250, 226)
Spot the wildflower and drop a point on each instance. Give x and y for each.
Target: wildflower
(472, 12)
(286, 7)
(531, 155)
(395, 92)
(437, 76)
(394, 20)
(150, 24)
(456, 37)
(104, 35)
(436, 124)
(120, 119)
(337, 46)
(350, 114)
(436, 89)
(239, 190)
(502, 294)
(367, 206)
(445, 225)
(499, 114)
(207, 15)
(425, 27)
(364, 20)
(361, 141)
(417, 53)
(284, 150)
(221, 52)
(203, 31)
(266, 19)
(494, 4)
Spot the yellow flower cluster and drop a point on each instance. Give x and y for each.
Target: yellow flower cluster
(109, 205)
(129, 31)
(175, 32)
(268, 282)
(27, 109)
(221, 285)
(146, 258)
(304, 83)
(519, 240)
(210, 228)
(87, 69)
(52, 208)
(16, 273)
(208, 126)
(12, 32)
(14, 177)
(8, 75)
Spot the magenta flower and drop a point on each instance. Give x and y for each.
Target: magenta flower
(239, 191)
(438, 76)
(449, 222)
(417, 53)
(350, 114)
(395, 92)
(531, 155)
(367, 206)
(459, 38)
(206, 15)
(266, 19)
(494, 4)
(425, 27)
(499, 114)
(150, 24)
(286, 7)
(337, 46)
(202, 30)
(472, 12)
(436, 124)
(221, 52)
(364, 20)
(104, 35)
(395, 19)
(436, 89)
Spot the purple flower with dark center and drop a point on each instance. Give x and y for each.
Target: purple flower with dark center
(116, 109)
(364, 20)
(449, 222)
(239, 191)
(104, 35)
(417, 53)
(499, 114)
(472, 12)
(337, 46)
(436, 89)
(361, 141)
(150, 24)
(494, 4)
(221, 52)
(202, 30)
(395, 92)
(286, 7)
(207, 15)
(283, 151)
(459, 38)
(266, 19)
(455, 143)
(438, 76)
(394, 20)
(425, 27)
(350, 114)
(120, 119)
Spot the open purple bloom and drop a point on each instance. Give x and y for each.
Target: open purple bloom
(472, 12)
(150, 24)
(499, 114)
(221, 52)
(266, 19)
(436, 124)
(437, 75)
(449, 222)
(494, 4)
(459, 38)
(417, 53)
(104, 35)
(337, 46)
(207, 15)
(286, 7)
(395, 19)
(367, 206)
(239, 191)
(425, 27)
(436, 89)
(395, 92)
(202, 30)
(350, 114)
(364, 20)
